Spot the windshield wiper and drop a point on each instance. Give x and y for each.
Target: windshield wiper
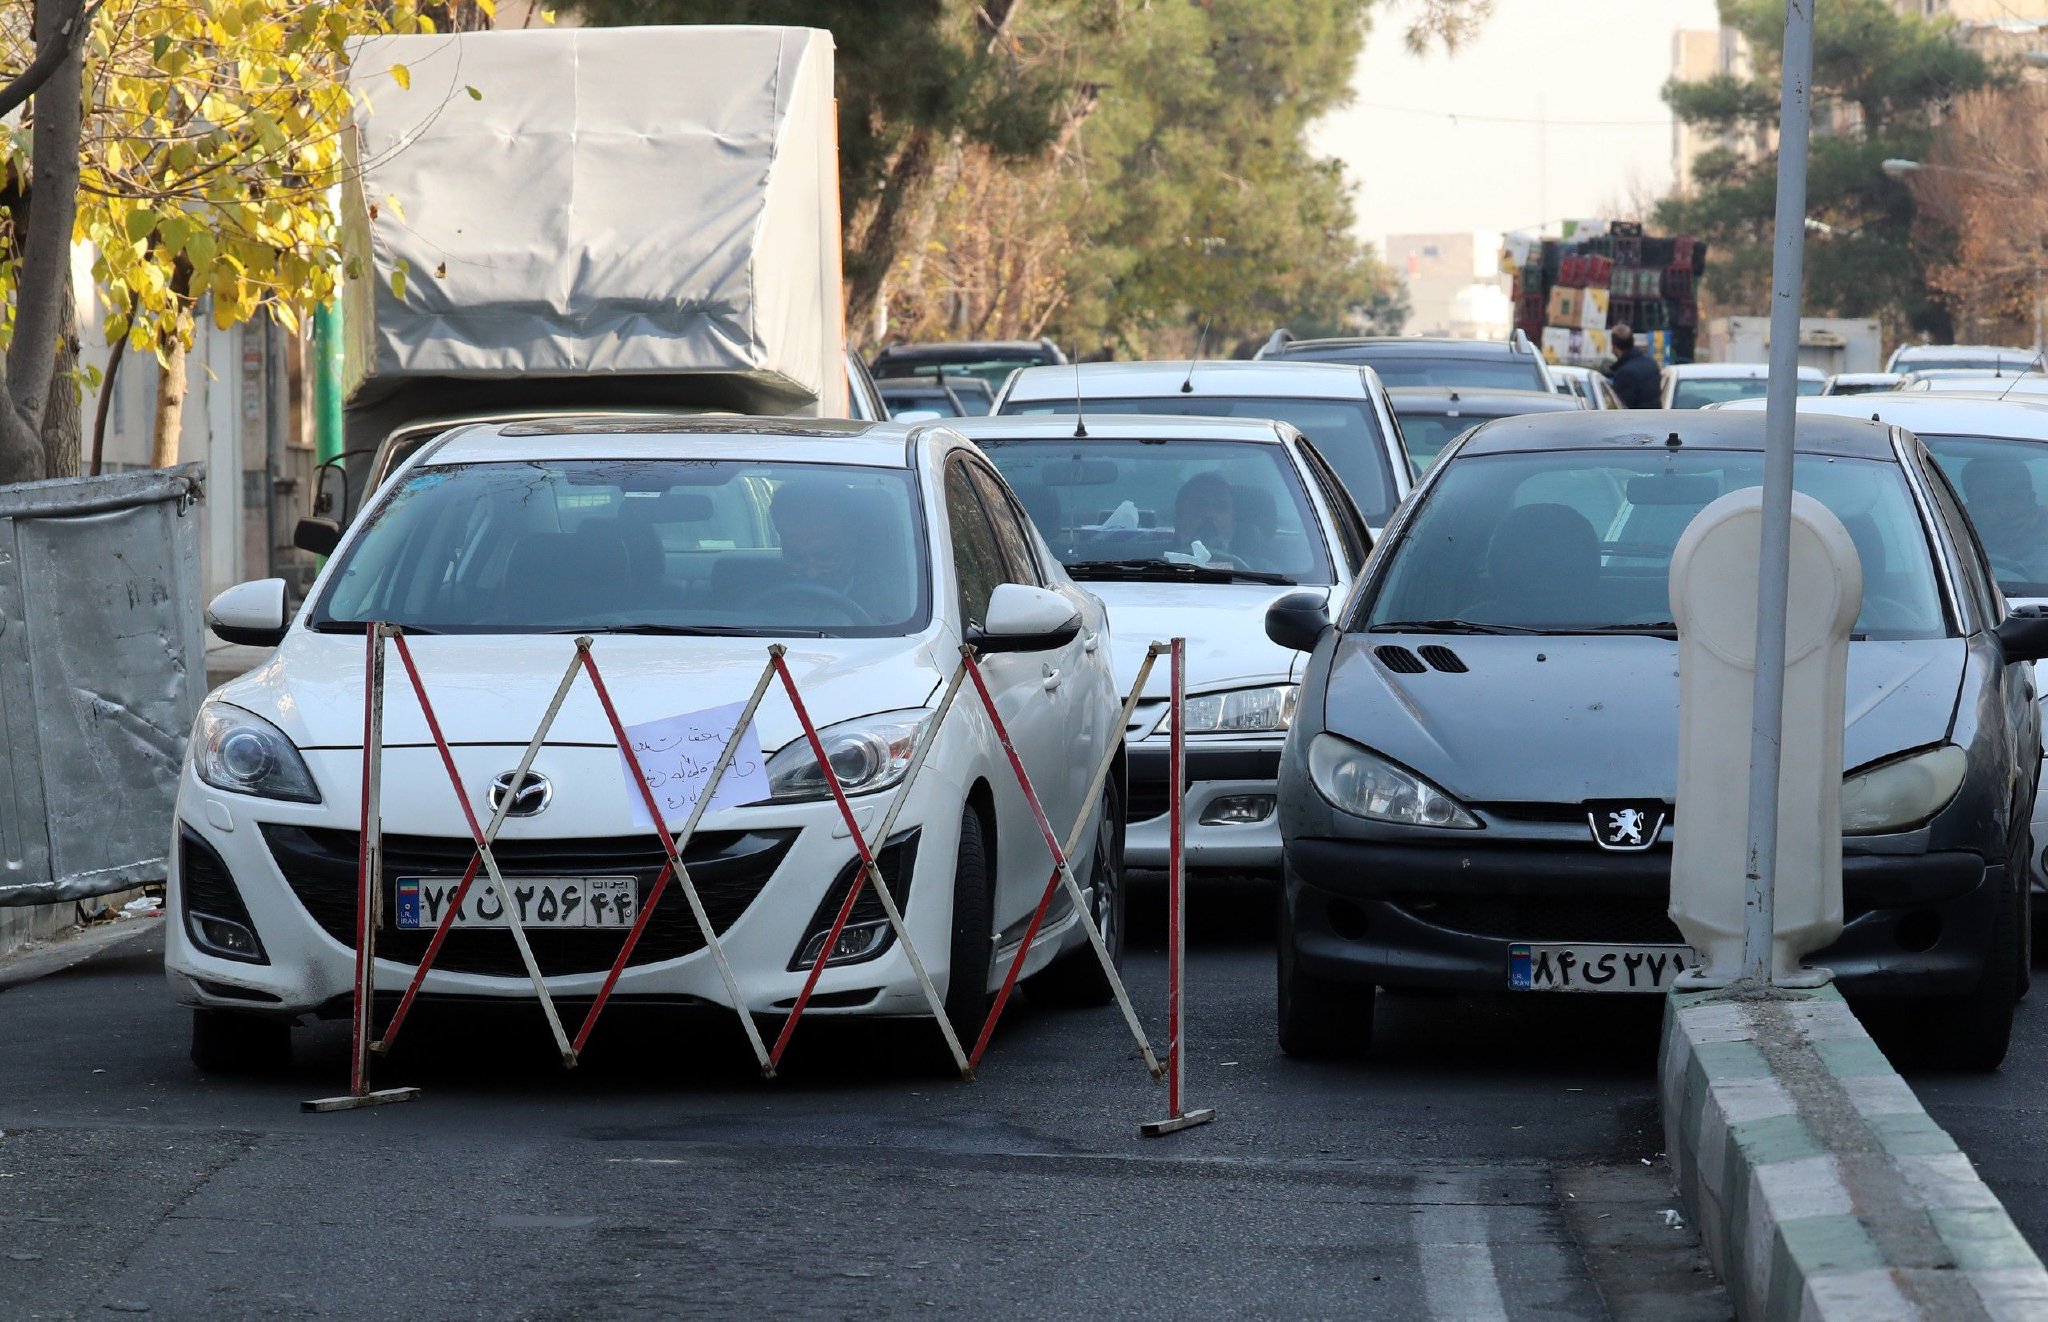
(1447, 626)
(694, 631)
(357, 626)
(1168, 570)
(1662, 628)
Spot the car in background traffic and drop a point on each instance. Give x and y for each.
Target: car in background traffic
(1921, 357)
(922, 398)
(1588, 384)
(991, 361)
(2013, 385)
(1432, 417)
(684, 547)
(1860, 383)
(1696, 385)
(1416, 360)
(1190, 527)
(1481, 776)
(1343, 410)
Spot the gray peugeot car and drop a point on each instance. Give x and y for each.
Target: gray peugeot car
(1478, 792)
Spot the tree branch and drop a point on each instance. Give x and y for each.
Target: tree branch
(49, 54)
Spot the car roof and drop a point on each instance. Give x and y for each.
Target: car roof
(1435, 346)
(799, 440)
(1209, 376)
(949, 349)
(1123, 426)
(1738, 371)
(1934, 414)
(1439, 399)
(1906, 351)
(1643, 429)
(1862, 378)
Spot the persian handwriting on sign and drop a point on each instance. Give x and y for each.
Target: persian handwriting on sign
(677, 755)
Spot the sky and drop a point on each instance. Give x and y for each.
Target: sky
(1417, 169)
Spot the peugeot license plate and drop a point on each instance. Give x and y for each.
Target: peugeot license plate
(539, 902)
(1596, 968)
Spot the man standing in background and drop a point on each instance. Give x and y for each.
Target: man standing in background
(1635, 375)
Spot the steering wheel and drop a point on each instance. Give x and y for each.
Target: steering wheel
(819, 595)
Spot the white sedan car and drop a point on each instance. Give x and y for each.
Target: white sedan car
(1190, 526)
(684, 547)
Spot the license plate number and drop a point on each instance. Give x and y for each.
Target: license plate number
(1596, 968)
(539, 901)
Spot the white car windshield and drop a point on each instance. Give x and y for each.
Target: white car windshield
(643, 545)
(1571, 542)
(1150, 508)
(1345, 432)
(1696, 392)
(2001, 482)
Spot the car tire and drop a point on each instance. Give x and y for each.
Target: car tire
(972, 949)
(1319, 1018)
(229, 1042)
(1972, 1032)
(1076, 978)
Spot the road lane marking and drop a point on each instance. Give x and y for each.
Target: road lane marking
(1452, 1252)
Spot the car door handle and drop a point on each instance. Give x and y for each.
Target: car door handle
(1052, 679)
(1089, 644)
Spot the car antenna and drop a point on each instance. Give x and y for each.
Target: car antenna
(1187, 387)
(1080, 419)
(2032, 363)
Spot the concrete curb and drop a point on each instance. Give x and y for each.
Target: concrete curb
(1820, 1186)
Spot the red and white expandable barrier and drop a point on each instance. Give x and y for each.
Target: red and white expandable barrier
(1176, 913)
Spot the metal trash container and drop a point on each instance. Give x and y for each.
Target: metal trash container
(102, 667)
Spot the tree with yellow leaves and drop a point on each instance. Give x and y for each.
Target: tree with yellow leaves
(209, 138)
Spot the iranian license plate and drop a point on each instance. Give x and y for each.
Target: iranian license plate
(1596, 968)
(539, 901)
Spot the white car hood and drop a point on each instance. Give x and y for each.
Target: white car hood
(1224, 624)
(494, 689)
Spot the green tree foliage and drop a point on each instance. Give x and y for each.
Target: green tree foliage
(1881, 81)
(1159, 150)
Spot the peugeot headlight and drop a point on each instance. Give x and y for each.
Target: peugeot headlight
(1904, 792)
(1366, 785)
(1243, 711)
(240, 751)
(868, 754)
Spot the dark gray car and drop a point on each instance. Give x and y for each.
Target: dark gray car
(1502, 688)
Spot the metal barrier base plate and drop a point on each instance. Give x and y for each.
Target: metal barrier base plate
(381, 1097)
(1188, 1120)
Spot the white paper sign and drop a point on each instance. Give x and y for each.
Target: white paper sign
(677, 754)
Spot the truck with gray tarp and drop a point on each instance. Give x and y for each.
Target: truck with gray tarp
(586, 220)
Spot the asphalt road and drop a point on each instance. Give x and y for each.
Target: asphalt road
(1494, 1159)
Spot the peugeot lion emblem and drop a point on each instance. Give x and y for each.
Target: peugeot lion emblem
(1625, 826)
(532, 797)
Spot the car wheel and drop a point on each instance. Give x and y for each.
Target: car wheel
(1319, 1018)
(1972, 1032)
(228, 1042)
(972, 950)
(1076, 977)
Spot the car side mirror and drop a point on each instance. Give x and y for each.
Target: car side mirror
(1298, 620)
(2023, 637)
(1026, 619)
(250, 613)
(320, 536)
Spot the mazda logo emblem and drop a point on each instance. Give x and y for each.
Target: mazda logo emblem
(532, 796)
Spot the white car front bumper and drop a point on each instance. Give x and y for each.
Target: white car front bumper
(1243, 770)
(292, 867)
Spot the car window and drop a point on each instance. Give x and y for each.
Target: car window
(1345, 431)
(1352, 534)
(1010, 530)
(1100, 502)
(2000, 482)
(729, 547)
(1568, 542)
(1978, 581)
(1428, 433)
(1406, 367)
(977, 556)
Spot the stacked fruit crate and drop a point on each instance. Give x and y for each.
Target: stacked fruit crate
(1570, 293)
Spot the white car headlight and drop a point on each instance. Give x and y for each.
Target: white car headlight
(867, 754)
(1243, 711)
(239, 751)
(1904, 792)
(1369, 786)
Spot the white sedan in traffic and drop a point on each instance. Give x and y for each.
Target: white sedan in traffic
(1191, 527)
(684, 547)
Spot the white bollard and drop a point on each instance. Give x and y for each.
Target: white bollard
(1713, 601)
